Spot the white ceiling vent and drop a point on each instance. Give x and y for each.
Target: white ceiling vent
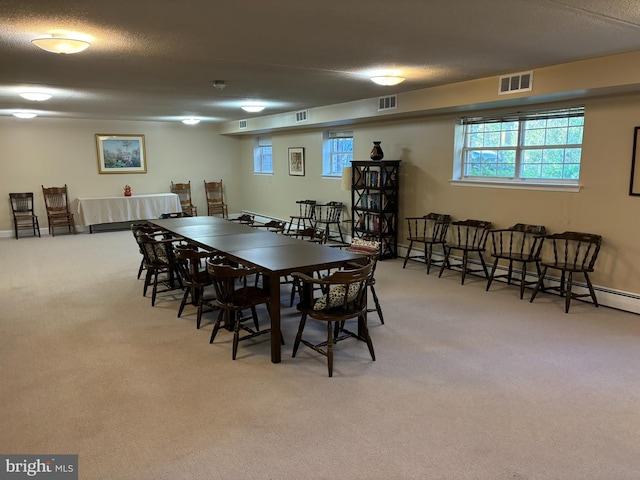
(516, 82)
(302, 116)
(389, 102)
(242, 124)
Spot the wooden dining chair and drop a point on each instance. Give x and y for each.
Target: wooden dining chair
(24, 217)
(573, 253)
(215, 199)
(196, 278)
(56, 203)
(469, 237)
(329, 215)
(183, 190)
(234, 296)
(429, 230)
(275, 226)
(519, 244)
(161, 264)
(305, 217)
(342, 296)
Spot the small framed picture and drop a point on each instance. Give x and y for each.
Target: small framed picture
(121, 153)
(296, 161)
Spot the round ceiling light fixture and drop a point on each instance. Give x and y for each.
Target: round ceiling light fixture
(252, 108)
(35, 96)
(61, 44)
(387, 81)
(25, 114)
(191, 121)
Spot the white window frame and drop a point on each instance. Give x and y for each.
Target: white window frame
(260, 146)
(329, 156)
(462, 149)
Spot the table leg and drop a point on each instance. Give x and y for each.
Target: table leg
(274, 311)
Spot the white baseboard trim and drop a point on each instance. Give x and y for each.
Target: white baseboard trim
(618, 299)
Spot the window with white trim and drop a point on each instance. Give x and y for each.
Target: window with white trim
(262, 155)
(543, 146)
(337, 152)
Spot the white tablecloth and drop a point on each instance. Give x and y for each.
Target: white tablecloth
(96, 210)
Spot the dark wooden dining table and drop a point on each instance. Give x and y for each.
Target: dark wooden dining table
(275, 255)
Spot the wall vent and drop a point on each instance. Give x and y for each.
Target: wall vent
(302, 116)
(516, 82)
(242, 124)
(389, 102)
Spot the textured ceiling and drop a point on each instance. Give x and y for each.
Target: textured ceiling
(156, 59)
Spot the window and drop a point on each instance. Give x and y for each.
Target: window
(262, 155)
(542, 146)
(337, 153)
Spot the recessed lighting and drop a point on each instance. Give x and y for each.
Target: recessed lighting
(191, 121)
(61, 44)
(253, 108)
(387, 81)
(35, 96)
(25, 114)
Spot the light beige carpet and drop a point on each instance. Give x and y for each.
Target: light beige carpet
(467, 384)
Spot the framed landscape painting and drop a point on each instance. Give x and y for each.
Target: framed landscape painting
(121, 153)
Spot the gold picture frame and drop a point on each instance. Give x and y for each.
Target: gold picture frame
(121, 153)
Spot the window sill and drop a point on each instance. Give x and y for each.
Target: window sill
(519, 185)
(263, 173)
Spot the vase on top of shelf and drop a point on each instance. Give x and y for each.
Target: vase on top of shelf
(376, 151)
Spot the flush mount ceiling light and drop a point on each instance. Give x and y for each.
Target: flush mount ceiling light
(191, 121)
(387, 81)
(24, 114)
(35, 96)
(219, 84)
(252, 108)
(61, 44)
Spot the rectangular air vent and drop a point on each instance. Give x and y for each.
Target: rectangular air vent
(302, 116)
(387, 103)
(242, 124)
(516, 82)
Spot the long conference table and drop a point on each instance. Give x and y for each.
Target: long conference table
(273, 254)
(98, 210)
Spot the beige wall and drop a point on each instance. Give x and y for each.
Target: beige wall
(52, 152)
(425, 147)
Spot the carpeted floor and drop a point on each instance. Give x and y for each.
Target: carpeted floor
(467, 384)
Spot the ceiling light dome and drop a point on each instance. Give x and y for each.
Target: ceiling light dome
(253, 108)
(61, 44)
(388, 80)
(191, 121)
(35, 96)
(25, 114)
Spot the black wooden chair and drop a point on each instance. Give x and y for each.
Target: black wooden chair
(467, 237)
(328, 215)
(234, 296)
(344, 297)
(429, 230)
(161, 264)
(371, 249)
(244, 219)
(195, 278)
(275, 226)
(573, 252)
(519, 244)
(306, 215)
(24, 217)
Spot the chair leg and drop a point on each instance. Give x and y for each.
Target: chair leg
(376, 303)
(330, 347)
(465, 259)
(523, 279)
(183, 303)
(296, 343)
(428, 251)
(592, 292)
(236, 334)
(538, 284)
(491, 274)
(367, 337)
(406, 257)
(216, 327)
(445, 261)
(140, 268)
(567, 295)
